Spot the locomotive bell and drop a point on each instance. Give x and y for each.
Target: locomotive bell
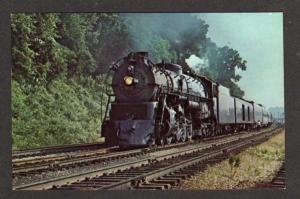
(130, 69)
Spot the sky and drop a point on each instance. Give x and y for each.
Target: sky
(259, 39)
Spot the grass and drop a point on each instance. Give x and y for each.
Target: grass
(256, 164)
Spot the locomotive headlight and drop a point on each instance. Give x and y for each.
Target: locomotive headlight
(128, 80)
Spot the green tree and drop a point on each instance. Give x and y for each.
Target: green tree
(223, 62)
(160, 49)
(73, 30)
(50, 107)
(108, 40)
(97, 39)
(22, 27)
(37, 57)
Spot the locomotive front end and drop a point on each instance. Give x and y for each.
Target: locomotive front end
(132, 115)
(133, 80)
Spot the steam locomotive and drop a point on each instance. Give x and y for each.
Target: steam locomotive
(156, 104)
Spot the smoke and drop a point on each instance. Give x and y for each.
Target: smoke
(144, 26)
(179, 29)
(197, 62)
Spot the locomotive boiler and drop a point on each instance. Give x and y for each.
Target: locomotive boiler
(164, 103)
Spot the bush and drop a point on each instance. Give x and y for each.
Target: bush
(268, 154)
(65, 112)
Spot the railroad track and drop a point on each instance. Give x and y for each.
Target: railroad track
(136, 172)
(161, 173)
(277, 182)
(39, 164)
(30, 173)
(19, 154)
(42, 163)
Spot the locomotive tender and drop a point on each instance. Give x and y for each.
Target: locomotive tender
(164, 103)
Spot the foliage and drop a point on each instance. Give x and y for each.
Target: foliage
(223, 61)
(264, 153)
(37, 57)
(234, 162)
(55, 99)
(67, 112)
(161, 49)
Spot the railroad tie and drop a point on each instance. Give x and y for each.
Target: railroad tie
(152, 186)
(165, 181)
(177, 179)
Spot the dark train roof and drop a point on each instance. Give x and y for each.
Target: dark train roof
(187, 70)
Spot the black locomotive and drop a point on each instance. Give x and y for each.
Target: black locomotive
(164, 103)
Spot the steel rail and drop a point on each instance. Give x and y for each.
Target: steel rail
(55, 149)
(70, 159)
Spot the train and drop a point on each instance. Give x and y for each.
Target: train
(163, 103)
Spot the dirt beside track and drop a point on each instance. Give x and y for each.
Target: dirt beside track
(257, 164)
